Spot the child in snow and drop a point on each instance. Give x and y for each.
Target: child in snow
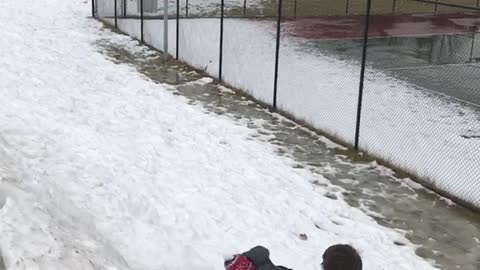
(257, 258)
(341, 257)
(337, 257)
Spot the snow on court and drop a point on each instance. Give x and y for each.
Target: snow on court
(413, 128)
(103, 169)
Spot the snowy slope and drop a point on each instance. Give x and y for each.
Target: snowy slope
(103, 169)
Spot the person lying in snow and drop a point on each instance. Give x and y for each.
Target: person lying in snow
(257, 258)
(337, 257)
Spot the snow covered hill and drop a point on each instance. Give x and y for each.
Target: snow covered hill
(102, 169)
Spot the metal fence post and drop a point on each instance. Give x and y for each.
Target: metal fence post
(473, 43)
(220, 61)
(394, 5)
(141, 21)
(347, 7)
(186, 8)
(93, 8)
(277, 54)
(115, 13)
(177, 30)
(362, 73)
(295, 9)
(435, 7)
(245, 7)
(124, 8)
(165, 29)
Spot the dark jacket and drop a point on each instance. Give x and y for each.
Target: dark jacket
(260, 257)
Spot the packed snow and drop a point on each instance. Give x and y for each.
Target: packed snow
(430, 135)
(103, 169)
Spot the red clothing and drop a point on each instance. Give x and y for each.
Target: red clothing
(240, 262)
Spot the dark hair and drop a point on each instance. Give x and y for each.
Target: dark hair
(341, 257)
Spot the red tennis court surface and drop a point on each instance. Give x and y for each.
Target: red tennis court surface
(351, 27)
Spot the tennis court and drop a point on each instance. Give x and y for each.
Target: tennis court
(440, 52)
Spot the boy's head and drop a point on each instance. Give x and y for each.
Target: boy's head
(341, 257)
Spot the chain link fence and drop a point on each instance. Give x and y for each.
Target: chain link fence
(398, 79)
